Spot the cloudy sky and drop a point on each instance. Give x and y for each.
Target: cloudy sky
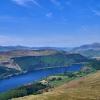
(61, 23)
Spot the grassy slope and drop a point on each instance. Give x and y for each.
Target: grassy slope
(87, 88)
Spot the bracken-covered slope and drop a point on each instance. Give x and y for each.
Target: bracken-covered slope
(87, 88)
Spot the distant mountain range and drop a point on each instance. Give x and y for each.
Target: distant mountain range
(11, 48)
(94, 46)
(89, 50)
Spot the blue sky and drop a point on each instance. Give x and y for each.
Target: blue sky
(60, 23)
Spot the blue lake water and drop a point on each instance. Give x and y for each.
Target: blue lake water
(20, 80)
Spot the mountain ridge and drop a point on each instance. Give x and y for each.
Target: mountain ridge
(89, 50)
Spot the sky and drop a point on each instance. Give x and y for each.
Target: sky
(56, 23)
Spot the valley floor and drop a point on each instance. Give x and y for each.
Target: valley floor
(85, 88)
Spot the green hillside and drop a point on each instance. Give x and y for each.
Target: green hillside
(29, 63)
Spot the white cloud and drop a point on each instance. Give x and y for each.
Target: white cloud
(25, 2)
(49, 15)
(96, 12)
(56, 2)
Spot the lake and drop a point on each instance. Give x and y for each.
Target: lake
(20, 80)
